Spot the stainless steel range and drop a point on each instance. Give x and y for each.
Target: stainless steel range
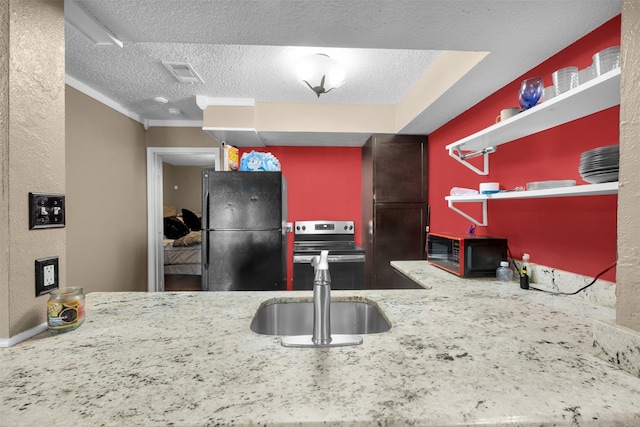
(346, 260)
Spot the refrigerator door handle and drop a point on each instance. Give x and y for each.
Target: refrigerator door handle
(427, 229)
(205, 254)
(205, 233)
(205, 211)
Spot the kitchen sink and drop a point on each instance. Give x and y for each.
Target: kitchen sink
(295, 317)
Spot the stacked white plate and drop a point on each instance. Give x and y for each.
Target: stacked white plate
(600, 164)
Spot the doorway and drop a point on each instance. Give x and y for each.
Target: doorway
(185, 156)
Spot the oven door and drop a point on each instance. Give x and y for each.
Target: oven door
(346, 271)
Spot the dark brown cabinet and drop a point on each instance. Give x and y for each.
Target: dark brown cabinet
(394, 206)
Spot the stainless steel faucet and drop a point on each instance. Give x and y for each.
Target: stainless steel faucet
(321, 336)
(321, 300)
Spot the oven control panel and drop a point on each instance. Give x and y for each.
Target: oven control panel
(324, 227)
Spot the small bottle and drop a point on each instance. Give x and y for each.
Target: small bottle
(525, 268)
(525, 272)
(504, 273)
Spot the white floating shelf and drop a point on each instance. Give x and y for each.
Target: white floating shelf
(577, 190)
(595, 95)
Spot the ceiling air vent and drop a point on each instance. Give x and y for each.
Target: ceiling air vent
(183, 72)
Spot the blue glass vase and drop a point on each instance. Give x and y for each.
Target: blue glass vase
(530, 92)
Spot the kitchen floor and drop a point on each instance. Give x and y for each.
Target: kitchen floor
(173, 283)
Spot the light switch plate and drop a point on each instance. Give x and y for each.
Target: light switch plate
(46, 210)
(46, 270)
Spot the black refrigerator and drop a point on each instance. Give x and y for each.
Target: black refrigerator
(244, 240)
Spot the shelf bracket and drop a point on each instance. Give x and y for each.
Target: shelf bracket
(484, 222)
(457, 154)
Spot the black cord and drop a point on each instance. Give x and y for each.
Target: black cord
(524, 278)
(514, 262)
(561, 293)
(582, 288)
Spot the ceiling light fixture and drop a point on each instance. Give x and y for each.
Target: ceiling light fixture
(320, 73)
(80, 18)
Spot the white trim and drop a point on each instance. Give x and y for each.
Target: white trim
(229, 129)
(103, 99)
(89, 26)
(176, 123)
(204, 101)
(154, 200)
(155, 155)
(8, 342)
(100, 97)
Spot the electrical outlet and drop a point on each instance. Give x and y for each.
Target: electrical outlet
(49, 276)
(46, 270)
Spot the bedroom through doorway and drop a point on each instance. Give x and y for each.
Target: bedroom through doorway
(182, 240)
(174, 204)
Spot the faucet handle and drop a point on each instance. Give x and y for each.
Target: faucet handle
(321, 262)
(321, 265)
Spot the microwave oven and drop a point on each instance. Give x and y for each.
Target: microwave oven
(466, 255)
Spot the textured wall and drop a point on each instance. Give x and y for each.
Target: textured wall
(4, 169)
(35, 156)
(628, 289)
(106, 197)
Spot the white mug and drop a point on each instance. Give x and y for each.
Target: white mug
(507, 113)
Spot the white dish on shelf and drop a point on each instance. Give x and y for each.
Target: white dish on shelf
(599, 178)
(596, 171)
(544, 185)
(610, 187)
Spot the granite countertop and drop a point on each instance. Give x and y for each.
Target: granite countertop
(460, 352)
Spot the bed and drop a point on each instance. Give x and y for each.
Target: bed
(182, 243)
(183, 259)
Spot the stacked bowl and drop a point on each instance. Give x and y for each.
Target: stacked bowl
(606, 60)
(565, 79)
(568, 78)
(600, 164)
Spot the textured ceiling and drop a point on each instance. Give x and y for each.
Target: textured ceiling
(246, 49)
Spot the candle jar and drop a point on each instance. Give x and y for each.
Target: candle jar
(65, 309)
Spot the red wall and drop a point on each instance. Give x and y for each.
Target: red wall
(324, 183)
(576, 234)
